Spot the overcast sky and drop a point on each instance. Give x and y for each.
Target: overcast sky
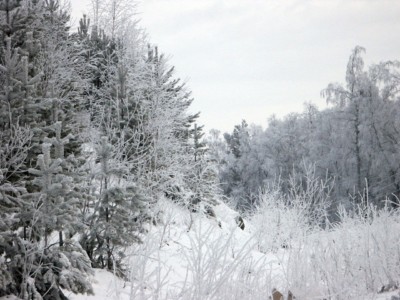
(249, 59)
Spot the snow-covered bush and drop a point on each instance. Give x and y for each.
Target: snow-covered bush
(359, 257)
(147, 274)
(280, 219)
(213, 259)
(277, 224)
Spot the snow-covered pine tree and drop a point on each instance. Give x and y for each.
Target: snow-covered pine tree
(17, 50)
(29, 268)
(72, 191)
(199, 145)
(99, 58)
(65, 264)
(200, 173)
(233, 180)
(117, 211)
(13, 151)
(166, 126)
(37, 90)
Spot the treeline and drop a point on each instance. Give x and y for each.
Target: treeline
(94, 129)
(352, 146)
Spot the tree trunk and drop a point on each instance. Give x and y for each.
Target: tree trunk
(60, 234)
(357, 146)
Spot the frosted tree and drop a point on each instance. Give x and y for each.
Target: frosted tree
(178, 159)
(146, 117)
(55, 209)
(32, 266)
(13, 151)
(72, 192)
(351, 98)
(363, 104)
(382, 106)
(50, 198)
(115, 17)
(119, 209)
(200, 173)
(38, 72)
(138, 104)
(240, 162)
(17, 51)
(199, 145)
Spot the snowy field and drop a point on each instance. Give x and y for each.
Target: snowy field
(217, 260)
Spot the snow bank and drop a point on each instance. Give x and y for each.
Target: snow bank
(194, 256)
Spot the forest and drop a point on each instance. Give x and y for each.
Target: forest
(99, 150)
(352, 145)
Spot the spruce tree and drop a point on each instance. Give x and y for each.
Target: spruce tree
(118, 210)
(39, 74)
(56, 204)
(13, 151)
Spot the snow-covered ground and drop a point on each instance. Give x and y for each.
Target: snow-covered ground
(193, 256)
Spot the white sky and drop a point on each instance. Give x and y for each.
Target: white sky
(248, 59)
